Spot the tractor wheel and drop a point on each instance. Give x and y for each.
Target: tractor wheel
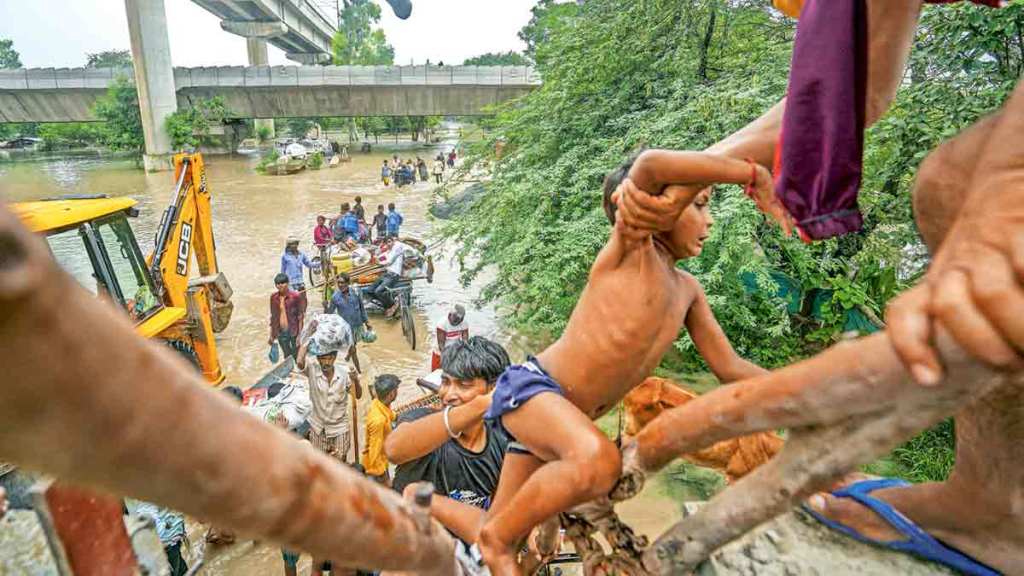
(186, 351)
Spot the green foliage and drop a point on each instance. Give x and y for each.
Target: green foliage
(263, 134)
(190, 126)
(316, 161)
(119, 110)
(109, 59)
(548, 18)
(8, 131)
(9, 57)
(70, 135)
(357, 42)
(297, 127)
(270, 157)
(509, 58)
(928, 457)
(682, 75)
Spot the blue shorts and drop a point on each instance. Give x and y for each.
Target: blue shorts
(516, 385)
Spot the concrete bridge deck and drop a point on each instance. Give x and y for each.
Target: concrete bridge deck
(298, 27)
(68, 94)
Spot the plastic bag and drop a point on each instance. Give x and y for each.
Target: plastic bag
(328, 333)
(275, 353)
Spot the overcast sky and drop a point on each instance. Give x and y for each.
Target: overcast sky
(60, 33)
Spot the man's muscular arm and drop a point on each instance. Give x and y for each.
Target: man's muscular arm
(418, 438)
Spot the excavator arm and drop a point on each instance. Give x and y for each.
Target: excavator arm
(185, 236)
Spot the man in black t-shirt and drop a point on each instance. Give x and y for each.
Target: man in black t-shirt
(455, 448)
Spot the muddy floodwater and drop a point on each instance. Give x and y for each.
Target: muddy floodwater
(252, 216)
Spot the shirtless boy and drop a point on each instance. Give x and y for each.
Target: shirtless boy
(630, 312)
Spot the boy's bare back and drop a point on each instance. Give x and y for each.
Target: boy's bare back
(628, 315)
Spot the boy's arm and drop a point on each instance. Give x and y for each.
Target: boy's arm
(655, 169)
(411, 440)
(712, 342)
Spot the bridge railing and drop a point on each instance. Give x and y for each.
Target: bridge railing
(263, 76)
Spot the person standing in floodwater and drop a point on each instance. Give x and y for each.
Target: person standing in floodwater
(287, 311)
(394, 221)
(385, 174)
(380, 223)
(421, 167)
(438, 169)
(329, 426)
(292, 262)
(359, 210)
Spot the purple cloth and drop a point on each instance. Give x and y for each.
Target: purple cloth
(822, 141)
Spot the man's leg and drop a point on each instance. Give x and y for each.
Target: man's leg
(973, 509)
(384, 294)
(371, 290)
(178, 565)
(581, 464)
(287, 342)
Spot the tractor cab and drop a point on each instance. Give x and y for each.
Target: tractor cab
(92, 240)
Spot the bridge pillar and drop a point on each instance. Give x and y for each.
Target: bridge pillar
(154, 77)
(257, 48)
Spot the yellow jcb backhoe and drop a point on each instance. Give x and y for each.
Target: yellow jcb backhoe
(92, 240)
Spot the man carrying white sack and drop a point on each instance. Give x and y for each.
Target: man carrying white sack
(329, 429)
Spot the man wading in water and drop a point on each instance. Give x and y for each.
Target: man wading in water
(329, 430)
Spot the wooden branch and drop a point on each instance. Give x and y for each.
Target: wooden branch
(88, 400)
(845, 407)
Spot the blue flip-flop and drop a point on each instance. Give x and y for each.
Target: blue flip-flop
(918, 543)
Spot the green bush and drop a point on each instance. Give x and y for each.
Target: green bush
(682, 75)
(263, 134)
(189, 127)
(269, 157)
(316, 161)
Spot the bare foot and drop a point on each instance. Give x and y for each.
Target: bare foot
(852, 514)
(955, 515)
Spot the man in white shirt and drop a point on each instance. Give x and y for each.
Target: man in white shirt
(329, 429)
(395, 254)
(452, 328)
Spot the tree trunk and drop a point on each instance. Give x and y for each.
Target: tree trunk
(705, 45)
(126, 416)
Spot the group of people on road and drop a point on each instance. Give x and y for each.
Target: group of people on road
(350, 226)
(409, 171)
(332, 372)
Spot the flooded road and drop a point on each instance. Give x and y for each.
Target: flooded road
(253, 215)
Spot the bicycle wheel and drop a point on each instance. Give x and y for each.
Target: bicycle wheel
(408, 323)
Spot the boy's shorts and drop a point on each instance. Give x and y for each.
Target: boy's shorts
(516, 385)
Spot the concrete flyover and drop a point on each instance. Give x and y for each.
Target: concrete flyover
(300, 28)
(68, 95)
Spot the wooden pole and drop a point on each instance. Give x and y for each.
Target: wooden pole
(88, 400)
